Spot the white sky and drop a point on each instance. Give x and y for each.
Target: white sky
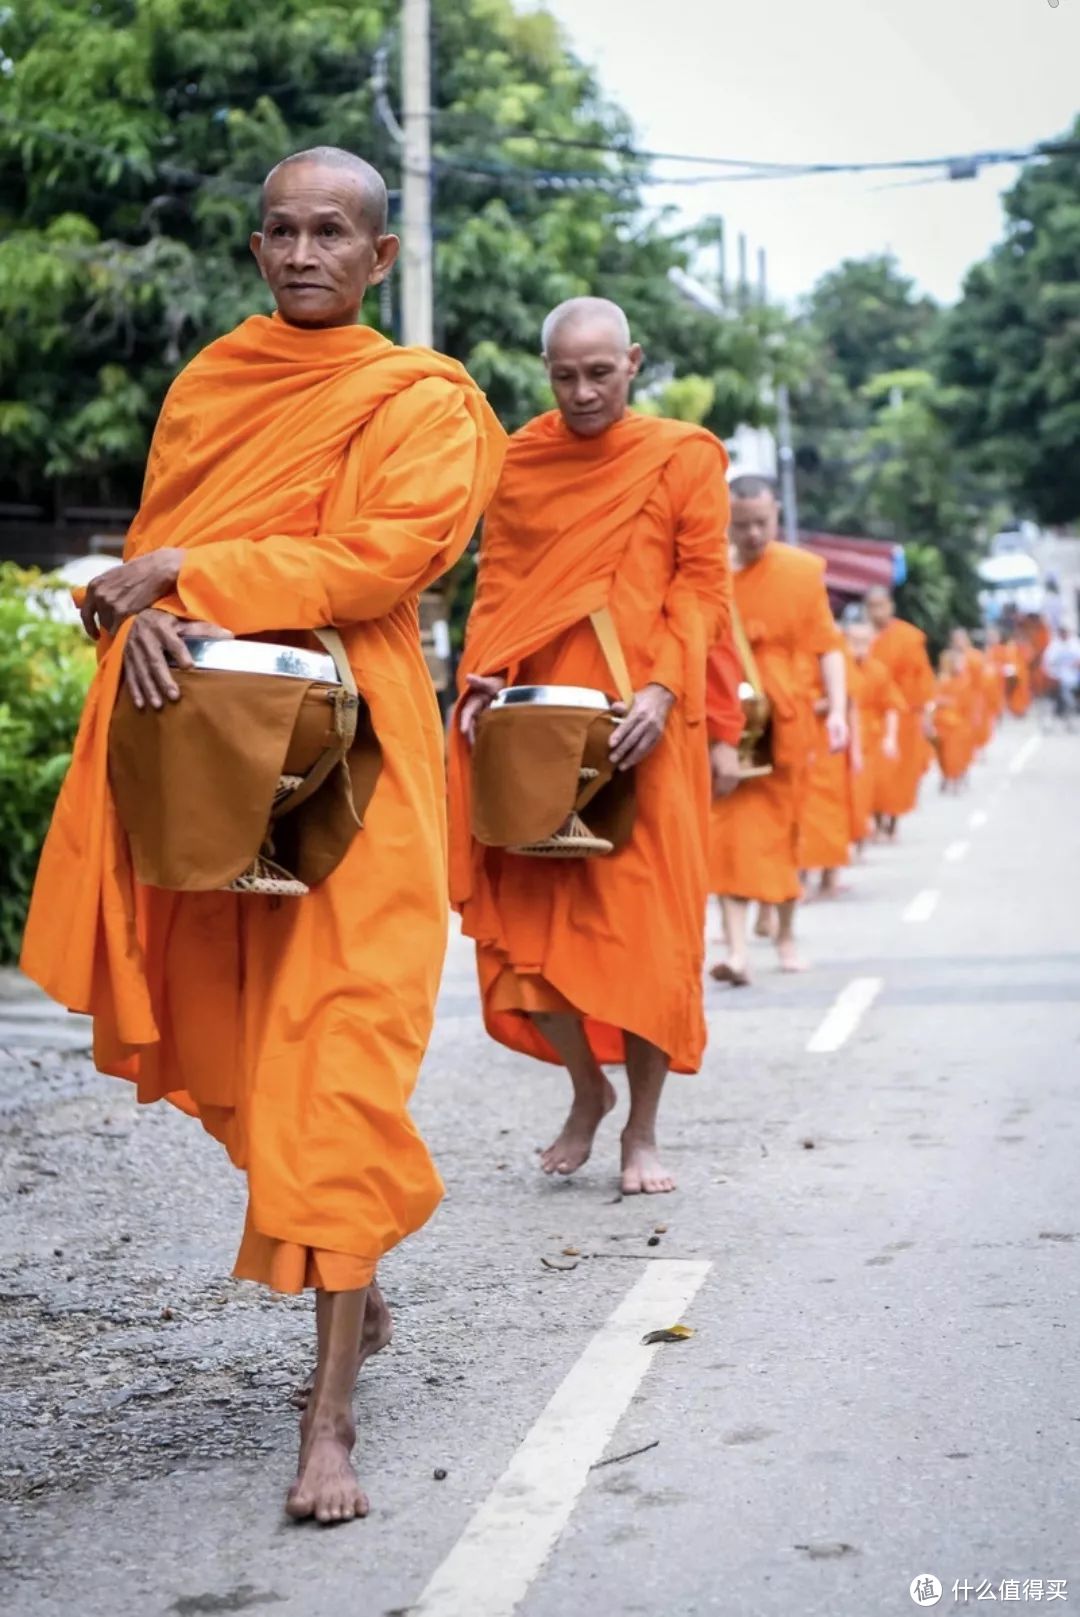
(839, 80)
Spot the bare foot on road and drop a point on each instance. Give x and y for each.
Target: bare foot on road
(787, 951)
(376, 1334)
(642, 1171)
(326, 1489)
(574, 1145)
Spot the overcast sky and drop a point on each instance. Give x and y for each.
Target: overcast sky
(839, 80)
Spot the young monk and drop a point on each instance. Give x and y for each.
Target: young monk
(975, 662)
(584, 962)
(826, 831)
(781, 597)
(955, 719)
(1008, 659)
(902, 648)
(878, 704)
(304, 473)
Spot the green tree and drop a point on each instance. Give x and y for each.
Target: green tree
(1012, 344)
(134, 135)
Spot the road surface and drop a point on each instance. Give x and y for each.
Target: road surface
(876, 1243)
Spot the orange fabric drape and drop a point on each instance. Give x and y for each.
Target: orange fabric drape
(635, 519)
(902, 648)
(312, 478)
(754, 833)
(874, 695)
(956, 713)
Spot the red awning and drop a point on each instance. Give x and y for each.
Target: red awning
(853, 565)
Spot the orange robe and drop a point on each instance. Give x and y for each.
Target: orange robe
(784, 607)
(954, 724)
(874, 696)
(982, 717)
(902, 648)
(636, 519)
(1012, 663)
(312, 478)
(825, 821)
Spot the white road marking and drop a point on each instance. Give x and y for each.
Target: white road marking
(978, 819)
(504, 1546)
(852, 1003)
(923, 905)
(1022, 757)
(957, 851)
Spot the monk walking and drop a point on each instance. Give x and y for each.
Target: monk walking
(956, 712)
(781, 598)
(304, 473)
(595, 961)
(878, 705)
(902, 648)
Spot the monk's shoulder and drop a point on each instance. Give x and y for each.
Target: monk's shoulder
(695, 451)
(799, 568)
(426, 403)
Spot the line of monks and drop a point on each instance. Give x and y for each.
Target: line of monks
(307, 473)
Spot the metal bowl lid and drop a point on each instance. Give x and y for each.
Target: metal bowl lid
(263, 657)
(552, 696)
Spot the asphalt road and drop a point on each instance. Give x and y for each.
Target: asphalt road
(877, 1245)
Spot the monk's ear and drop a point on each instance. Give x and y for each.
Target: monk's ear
(636, 356)
(255, 243)
(386, 251)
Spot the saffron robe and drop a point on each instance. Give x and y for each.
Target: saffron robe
(312, 478)
(754, 833)
(874, 695)
(955, 715)
(902, 648)
(635, 519)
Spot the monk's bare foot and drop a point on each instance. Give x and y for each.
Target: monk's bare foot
(787, 953)
(765, 925)
(326, 1489)
(643, 1174)
(377, 1333)
(731, 972)
(574, 1145)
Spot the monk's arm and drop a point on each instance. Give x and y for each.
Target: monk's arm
(724, 716)
(700, 494)
(419, 465)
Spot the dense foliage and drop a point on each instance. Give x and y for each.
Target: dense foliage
(45, 668)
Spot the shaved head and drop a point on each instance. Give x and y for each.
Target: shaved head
(752, 487)
(879, 606)
(596, 313)
(374, 202)
(591, 363)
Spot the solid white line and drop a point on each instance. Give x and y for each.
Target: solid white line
(1021, 758)
(490, 1568)
(852, 1003)
(923, 905)
(957, 851)
(978, 819)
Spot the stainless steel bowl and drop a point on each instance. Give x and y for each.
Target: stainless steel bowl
(551, 696)
(263, 657)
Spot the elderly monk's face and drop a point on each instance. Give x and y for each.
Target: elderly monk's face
(591, 373)
(318, 249)
(879, 609)
(858, 639)
(755, 523)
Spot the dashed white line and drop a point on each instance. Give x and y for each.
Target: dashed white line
(957, 851)
(978, 819)
(852, 1003)
(504, 1546)
(1023, 756)
(923, 905)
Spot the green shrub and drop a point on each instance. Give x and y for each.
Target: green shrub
(45, 668)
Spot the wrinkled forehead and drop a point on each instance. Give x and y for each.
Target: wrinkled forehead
(586, 342)
(302, 190)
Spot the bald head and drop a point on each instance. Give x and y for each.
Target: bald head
(591, 363)
(879, 607)
(369, 185)
(599, 315)
(323, 240)
(755, 517)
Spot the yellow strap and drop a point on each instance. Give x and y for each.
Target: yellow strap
(608, 636)
(746, 651)
(332, 642)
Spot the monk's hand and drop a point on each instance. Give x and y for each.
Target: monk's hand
(154, 647)
(836, 728)
(126, 590)
(890, 749)
(641, 726)
(724, 760)
(483, 689)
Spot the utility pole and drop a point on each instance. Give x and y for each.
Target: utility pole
(786, 453)
(418, 282)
